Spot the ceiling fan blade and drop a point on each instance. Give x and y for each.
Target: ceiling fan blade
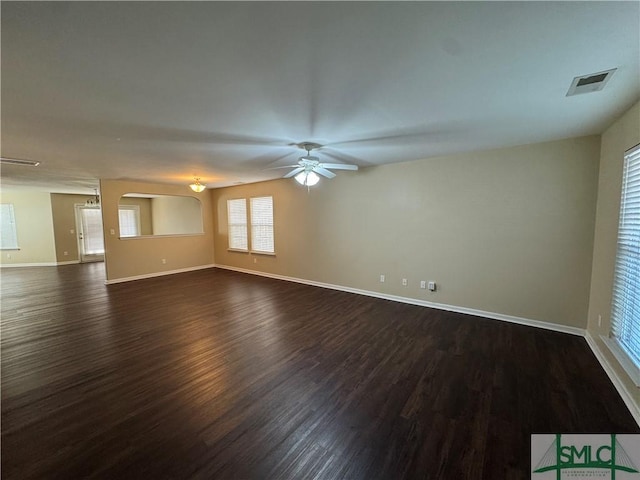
(283, 166)
(324, 172)
(294, 172)
(339, 166)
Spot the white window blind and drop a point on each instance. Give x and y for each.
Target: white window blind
(129, 219)
(92, 231)
(625, 313)
(262, 225)
(8, 233)
(237, 221)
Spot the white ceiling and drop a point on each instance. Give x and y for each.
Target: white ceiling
(163, 92)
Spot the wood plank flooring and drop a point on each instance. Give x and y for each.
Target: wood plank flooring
(216, 374)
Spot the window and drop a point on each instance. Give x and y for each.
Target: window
(8, 234)
(237, 219)
(92, 238)
(261, 211)
(625, 315)
(129, 219)
(262, 225)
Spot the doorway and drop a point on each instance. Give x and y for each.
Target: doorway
(90, 237)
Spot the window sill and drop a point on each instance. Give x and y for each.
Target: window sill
(15, 249)
(268, 254)
(237, 250)
(170, 235)
(623, 359)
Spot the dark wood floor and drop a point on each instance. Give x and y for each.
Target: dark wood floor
(216, 374)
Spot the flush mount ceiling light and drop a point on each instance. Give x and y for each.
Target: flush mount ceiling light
(196, 186)
(17, 161)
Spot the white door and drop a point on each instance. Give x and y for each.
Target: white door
(90, 239)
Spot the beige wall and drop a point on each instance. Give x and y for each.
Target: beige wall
(176, 215)
(132, 257)
(34, 227)
(621, 136)
(64, 224)
(507, 231)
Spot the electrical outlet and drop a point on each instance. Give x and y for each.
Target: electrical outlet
(404, 282)
(164, 261)
(8, 255)
(71, 231)
(423, 284)
(381, 278)
(255, 260)
(112, 231)
(65, 253)
(432, 286)
(599, 320)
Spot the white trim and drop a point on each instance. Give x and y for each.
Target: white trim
(157, 274)
(43, 264)
(623, 359)
(46, 264)
(414, 301)
(627, 396)
(69, 262)
(169, 235)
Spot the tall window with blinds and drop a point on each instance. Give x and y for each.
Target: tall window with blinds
(625, 315)
(237, 223)
(8, 232)
(92, 231)
(262, 225)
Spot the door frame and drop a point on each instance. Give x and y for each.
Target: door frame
(82, 257)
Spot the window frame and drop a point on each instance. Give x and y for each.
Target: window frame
(624, 319)
(230, 247)
(14, 230)
(250, 226)
(136, 209)
(254, 224)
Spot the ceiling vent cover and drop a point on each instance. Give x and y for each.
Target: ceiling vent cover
(593, 82)
(16, 161)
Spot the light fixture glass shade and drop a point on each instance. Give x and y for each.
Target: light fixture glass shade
(307, 178)
(197, 186)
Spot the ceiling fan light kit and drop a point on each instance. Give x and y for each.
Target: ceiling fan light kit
(308, 179)
(309, 168)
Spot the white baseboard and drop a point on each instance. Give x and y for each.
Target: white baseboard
(69, 262)
(41, 264)
(157, 274)
(624, 392)
(414, 301)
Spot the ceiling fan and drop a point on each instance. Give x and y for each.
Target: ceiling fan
(308, 168)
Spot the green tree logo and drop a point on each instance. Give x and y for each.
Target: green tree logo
(610, 457)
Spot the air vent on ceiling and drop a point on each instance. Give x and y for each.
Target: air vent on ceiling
(17, 161)
(593, 82)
